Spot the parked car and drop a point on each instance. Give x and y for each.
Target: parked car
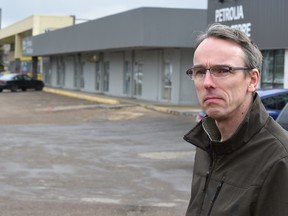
(14, 82)
(274, 101)
(282, 119)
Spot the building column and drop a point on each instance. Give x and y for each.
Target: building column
(17, 65)
(34, 66)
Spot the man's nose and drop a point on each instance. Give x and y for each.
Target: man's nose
(208, 81)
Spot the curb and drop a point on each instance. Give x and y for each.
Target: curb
(192, 113)
(189, 113)
(82, 96)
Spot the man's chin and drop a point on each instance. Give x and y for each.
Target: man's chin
(216, 114)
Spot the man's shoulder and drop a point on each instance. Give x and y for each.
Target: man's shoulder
(275, 135)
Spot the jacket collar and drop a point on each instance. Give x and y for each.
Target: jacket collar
(206, 135)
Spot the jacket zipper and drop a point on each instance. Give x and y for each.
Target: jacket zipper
(219, 187)
(207, 179)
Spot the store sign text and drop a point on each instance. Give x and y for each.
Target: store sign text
(233, 14)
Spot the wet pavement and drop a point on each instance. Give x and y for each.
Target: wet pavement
(119, 161)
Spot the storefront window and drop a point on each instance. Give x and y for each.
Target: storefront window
(167, 81)
(273, 69)
(60, 71)
(98, 76)
(106, 77)
(126, 78)
(138, 78)
(47, 72)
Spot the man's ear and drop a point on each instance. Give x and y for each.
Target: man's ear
(254, 79)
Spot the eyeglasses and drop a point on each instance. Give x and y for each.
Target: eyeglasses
(217, 71)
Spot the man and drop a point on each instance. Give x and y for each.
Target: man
(241, 162)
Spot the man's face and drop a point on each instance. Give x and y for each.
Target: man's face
(222, 97)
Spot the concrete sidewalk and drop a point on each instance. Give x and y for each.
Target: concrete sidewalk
(191, 111)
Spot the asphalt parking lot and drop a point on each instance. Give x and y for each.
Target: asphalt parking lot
(66, 156)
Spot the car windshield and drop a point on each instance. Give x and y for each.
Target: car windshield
(7, 76)
(283, 117)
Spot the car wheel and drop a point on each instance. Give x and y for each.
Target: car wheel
(1, 90)
(14, 88)
(24, 89)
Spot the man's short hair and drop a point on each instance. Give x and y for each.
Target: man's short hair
(253, 56)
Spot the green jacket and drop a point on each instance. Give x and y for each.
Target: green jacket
(244, 175)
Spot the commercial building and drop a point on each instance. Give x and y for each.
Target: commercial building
(13, 37)
(265, 22)
(141, 53)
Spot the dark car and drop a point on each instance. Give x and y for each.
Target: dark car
(14, 82)
(283, 117)
(273, 99)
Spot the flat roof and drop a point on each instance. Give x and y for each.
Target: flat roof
(144, 27)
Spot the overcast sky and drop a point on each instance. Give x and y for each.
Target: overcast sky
(16, 10)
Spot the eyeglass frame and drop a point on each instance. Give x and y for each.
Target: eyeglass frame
(189, 72)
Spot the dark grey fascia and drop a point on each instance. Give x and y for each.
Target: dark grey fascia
(264, 20)
(138, 28)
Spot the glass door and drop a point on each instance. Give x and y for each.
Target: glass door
(167, 81)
